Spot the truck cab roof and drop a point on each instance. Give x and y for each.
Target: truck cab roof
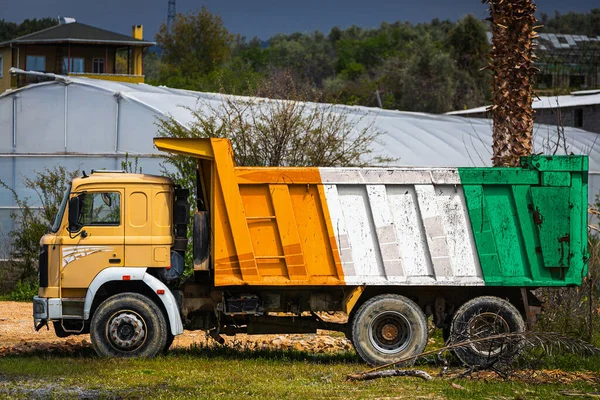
(117, 177)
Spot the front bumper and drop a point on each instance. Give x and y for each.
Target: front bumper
(45, 310)
(40, 312)
(40, 308)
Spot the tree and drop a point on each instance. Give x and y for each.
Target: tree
(469, 48)
(308, 55)
(573, 23)
(197, 44)
(267, 132)
(31, 224)
(11, 30)
(513, 74)
(151, 67)
(422, 80)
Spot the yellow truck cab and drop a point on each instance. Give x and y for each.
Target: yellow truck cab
(111, 228)
(271, 247)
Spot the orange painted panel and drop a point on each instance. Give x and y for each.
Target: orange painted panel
(288, 232)
(234, 209)
(271, 267)
(226, 264)
(312, 228)
(270, 226)
(280, 175)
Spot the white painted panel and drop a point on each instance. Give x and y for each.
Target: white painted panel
(363, 239)
(434, 230)
(411, 234)
(404, 176)
(386, 232)
(459, 235)
(409, 230)
(339, 226)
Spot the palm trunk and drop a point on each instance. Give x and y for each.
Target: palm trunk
(513, 73)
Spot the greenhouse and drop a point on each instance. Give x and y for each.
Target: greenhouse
(89, 124)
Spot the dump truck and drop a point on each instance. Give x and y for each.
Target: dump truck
(274, 248)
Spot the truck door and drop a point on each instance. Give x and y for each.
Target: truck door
(99, 244)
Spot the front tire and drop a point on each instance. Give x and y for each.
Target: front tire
(388, 328)
(128, 325)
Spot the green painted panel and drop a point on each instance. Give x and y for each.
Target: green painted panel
(483, 233)
(499, 176)
(551, 215)
(556, 178)
(529, 223)
(555, 163)
(578, 201)
(528, 229)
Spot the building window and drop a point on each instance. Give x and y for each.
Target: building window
(36, 63)
(98, 66)
(578, 118)
(76, 65)
(1, 66)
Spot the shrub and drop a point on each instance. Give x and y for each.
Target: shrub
(31, 223)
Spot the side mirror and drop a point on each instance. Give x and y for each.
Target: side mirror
(73, 214)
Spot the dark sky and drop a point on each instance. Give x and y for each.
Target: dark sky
(263, 18)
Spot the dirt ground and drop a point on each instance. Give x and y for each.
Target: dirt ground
(17, 335)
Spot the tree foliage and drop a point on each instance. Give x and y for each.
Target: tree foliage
(197, 44)
(431, 67)
(442, 61)
(572, 23)
(12, 30)
(31, 223)
(266, 132)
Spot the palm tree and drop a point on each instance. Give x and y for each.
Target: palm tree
(513, 72)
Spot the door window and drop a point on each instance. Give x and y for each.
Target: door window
(98, 66)
(101, 209)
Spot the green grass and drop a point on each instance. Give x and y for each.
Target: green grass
(237, 373)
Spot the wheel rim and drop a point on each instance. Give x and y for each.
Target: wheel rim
(484, 325)
(126, 330)
(390, 332)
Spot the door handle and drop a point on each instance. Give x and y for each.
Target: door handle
(114, 260)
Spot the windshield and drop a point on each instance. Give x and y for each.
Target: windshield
(61, 210)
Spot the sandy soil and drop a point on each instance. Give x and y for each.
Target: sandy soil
(17, 333)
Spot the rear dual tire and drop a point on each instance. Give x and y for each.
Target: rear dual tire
(389, 328)
(482, 317)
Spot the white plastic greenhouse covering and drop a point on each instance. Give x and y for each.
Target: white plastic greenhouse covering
(91, 124)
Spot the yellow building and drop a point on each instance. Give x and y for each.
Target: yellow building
(74, 49)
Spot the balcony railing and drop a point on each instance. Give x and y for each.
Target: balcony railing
(20, 80)
(110, 77)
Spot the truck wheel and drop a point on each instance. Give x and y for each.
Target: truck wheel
(388, 328)
(128, 325)
(481, 317)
